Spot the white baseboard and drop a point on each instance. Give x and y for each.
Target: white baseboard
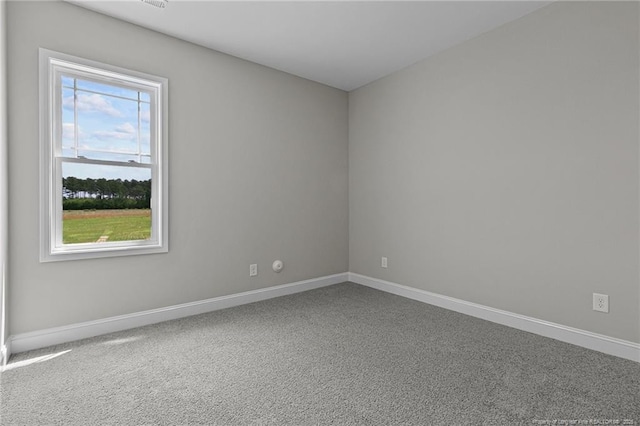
(53, 336)
(586, 339)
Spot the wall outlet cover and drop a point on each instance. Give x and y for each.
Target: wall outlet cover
(600, 302)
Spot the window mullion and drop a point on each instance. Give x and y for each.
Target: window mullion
(105, 162)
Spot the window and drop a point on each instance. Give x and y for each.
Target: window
(103, 160)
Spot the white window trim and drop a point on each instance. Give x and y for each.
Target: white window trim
(51, 248)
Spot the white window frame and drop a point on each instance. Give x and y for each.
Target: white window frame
(52, 64)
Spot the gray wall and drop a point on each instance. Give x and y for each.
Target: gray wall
(504, 171)
(258, 172)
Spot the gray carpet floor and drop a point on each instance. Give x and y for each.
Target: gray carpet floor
(340, 355)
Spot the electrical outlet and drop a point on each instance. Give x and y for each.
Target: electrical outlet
(383, 262)
(253, 269)
(600, 302)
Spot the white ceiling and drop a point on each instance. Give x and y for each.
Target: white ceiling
(344, 44)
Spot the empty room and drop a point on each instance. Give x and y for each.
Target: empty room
(319, 212)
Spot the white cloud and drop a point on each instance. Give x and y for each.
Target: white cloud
(92, 103)
(126, 128)
(125, 131)
(68, 131)
(145, 115)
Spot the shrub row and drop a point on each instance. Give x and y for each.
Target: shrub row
(104, 203)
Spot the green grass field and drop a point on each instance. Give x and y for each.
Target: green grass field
(87, 226)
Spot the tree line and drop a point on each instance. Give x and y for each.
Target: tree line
(102, 194)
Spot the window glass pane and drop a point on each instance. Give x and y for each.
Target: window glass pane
(105, 203)
(106, 89)
(145, 97)
(145, 128)
(98, 171)
(68, 123)
(67, 81)
(108, 124)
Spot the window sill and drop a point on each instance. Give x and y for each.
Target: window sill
(101, 252)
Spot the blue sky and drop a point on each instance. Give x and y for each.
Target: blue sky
(109, 127)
